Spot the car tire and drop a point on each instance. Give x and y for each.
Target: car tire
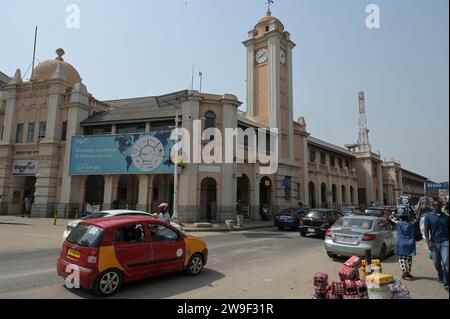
(331, 255)
(108, 283)
(195, 265)
(302, 233)
(383, 253)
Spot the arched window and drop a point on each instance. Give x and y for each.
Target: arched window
(210, 120)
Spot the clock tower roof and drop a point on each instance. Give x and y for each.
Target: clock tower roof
(263, 24)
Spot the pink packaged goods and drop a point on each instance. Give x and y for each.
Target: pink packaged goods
(339, 288)
(350, 288)
(348, 273)
(321, 279)
(361, 287)
(354, 262)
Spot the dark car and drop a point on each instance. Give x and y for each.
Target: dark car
(353, 210)
(375, 212)
(318, 221)
(289, 218)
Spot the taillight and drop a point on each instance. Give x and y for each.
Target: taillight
(329, 234)
(369, 237)
(93, 256)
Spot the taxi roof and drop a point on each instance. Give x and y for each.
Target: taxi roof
(114, 221)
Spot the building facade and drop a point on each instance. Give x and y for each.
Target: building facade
(50, 121)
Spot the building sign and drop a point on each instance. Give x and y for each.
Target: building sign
(442, 186)
(147, 153)
(25, 168)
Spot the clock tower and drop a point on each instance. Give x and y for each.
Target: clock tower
(269, 80)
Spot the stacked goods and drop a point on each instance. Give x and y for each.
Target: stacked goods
(366, 270)
(361, 287)
(348, 273)
(354, 262)
(378, 285)
(400, 291)
(320, 286)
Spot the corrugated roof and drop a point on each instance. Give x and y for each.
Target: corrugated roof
(139, 109)
(329, 146)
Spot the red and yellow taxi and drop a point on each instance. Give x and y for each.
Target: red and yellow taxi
(109, 252)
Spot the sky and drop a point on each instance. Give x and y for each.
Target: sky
(140, 48)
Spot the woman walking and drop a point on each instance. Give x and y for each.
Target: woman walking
(405, 247)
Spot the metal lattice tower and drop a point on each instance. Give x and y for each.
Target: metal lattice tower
(363, 140)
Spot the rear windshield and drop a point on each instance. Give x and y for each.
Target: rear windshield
(86, 236)
(374, 212)
(356, 223)
(94, 216)
(316, 215)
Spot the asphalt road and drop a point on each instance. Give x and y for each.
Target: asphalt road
(261, 264)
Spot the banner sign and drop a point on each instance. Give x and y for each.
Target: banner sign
(25, 168)
(146, 153)
(442, 186)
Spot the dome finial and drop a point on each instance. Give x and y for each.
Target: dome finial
(269, 3)
(60, 52)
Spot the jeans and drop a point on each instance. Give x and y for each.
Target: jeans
(440, 260)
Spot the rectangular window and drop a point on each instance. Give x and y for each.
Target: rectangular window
(130, 234)
(19, 133)
(130, 128)
(98, 130)
(323, 159)
(42, 130)
(30, 135)
(287, 184)
(64, 131)
(2, 128)
(347, 164)
(340, 162)
(162, 126)
(332, 161)
(312, 156)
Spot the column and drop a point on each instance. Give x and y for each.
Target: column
(306, 171)
(143, 193)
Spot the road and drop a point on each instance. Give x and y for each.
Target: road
(263, 264)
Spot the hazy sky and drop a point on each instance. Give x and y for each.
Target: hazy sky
(140, 48)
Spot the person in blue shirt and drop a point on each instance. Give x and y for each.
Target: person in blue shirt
(405, 247)
(436, 235)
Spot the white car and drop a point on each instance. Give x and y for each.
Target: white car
(109, 213)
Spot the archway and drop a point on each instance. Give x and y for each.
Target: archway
(334, 194)
(312, 195)
(265, 192)
(243, 192)
(127, 191)
(208, 200)
(352, 195)
(94, 193)
(344, 195)
(323, 195)
(30, 187)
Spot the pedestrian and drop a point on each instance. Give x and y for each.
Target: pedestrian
(436, 235)
(164, 215)
(28, 203)
(239, 215)
(424, 207)
(405, 247)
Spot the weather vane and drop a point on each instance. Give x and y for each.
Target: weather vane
(269, 3)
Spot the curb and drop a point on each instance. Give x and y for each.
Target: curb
(225, 230)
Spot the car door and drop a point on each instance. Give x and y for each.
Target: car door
(168, 247)
(133, 250)
(390, 235)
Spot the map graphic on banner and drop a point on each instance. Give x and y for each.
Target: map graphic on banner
(146, 153)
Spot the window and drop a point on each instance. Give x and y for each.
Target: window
(86, 236)
(323, 159)
(130, 234)
(312, 156)
(332, 161)
(30, 135)
(347, 164)
(42, 130)
(130, 128)
(374, 172)
(340, 162)
(210, 120)
(287, 185)
(162, 126)
(19, 133)
(98, 130)
(2, 132)
(162, 233)
(64, 131)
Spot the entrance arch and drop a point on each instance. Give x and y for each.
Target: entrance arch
(352, 195)
(334, 194)
(323, 195)
(94, 191)
(127, 191)
(265, 192)
(30, 187)
(208, 200)
(243, 191)
(344, 195)
(312, 195)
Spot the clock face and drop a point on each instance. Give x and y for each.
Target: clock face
(283, 57)
(148, 153)
(262, 55)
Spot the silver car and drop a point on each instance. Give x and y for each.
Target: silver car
(353, 235)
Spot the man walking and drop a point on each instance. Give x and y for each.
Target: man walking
(436, 235)
(27, 205)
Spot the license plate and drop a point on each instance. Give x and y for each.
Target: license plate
(311, 230)
(346, 239)
(73, 253)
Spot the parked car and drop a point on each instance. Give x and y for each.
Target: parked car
(318, 221)
(375, 212)
(353, 235)
(107, 213)
(352, 210)
(289, 218)
(111, 251)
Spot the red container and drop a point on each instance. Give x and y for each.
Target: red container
(348, 273)
(354, 262)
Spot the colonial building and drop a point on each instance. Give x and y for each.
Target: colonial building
(70, 151)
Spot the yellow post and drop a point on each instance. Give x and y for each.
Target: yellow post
(55, 219)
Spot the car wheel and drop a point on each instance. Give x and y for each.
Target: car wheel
(108, 283)
(383, 253)
(195, 265)
(303, 234)
(331, 255)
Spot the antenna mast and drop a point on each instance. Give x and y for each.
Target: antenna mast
(363, 140)
(34, 52)
(269, 3)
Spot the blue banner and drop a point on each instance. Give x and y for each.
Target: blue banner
(146, 153)
(443, 186)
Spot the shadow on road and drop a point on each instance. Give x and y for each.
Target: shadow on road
(160, 287)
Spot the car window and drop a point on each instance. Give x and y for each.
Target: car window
(358, 223)
(130, 234)
(316, 215)
(162, 233)
(381, 225)
(86, 236)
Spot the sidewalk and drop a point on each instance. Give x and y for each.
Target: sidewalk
(222, 227)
